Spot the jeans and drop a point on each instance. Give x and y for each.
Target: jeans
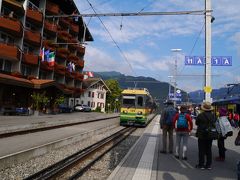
(181, 136)
(167, 130)
(221, 147)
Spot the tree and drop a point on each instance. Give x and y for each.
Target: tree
(39, 99)
(113, 96)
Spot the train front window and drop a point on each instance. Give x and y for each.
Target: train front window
(128, 101)
(140, 101)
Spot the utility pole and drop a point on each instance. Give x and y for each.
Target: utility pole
(208, 48)
(175, 75)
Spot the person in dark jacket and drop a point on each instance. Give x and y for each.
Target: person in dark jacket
(204, 121)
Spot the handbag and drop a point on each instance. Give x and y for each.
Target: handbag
(237, 140)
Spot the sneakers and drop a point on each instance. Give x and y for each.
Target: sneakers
(220, 159)
(184, 158)
(199, 167)
(208, 167)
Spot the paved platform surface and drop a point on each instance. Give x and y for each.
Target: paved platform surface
(18, 123)
(145, 162)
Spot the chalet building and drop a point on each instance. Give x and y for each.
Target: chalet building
(28, 28)
(95, 94)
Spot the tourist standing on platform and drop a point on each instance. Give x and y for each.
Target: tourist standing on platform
(183, 126)
(225, 129)
(166, 123)
(204, 121)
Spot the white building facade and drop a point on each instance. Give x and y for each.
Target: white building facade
(95, 91)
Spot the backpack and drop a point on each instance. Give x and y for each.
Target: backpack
(182, 121)
(170, 113)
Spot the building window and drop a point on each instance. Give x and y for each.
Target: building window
(93, 94)
(26, 70)
(102, 96)
(89, 94)
(82, 102)
(7, 66)
(89, 103)
(1, 64)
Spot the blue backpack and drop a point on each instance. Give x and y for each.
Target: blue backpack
(170, 113)
(182, 121)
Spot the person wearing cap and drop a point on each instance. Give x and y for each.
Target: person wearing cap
(203, 121)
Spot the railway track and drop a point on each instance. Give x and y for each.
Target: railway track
(21, 132)
(93, 152)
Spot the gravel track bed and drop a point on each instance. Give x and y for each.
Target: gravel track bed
(103, 168)
(25, 169)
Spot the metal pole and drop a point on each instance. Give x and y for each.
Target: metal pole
(208, 47)
(175, 75)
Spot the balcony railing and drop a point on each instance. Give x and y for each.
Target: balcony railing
(74, 28)
(79, 76)
(30, 59)
(50, 28)
(45, 66)
(52, 8)
(9, 52)
(16, 6)
(62, 52)
(64, 35)
(64, 22)
(11, 26)
(33, 38)
(74, 44)
(34, 16)
(80, 63)
(81, 49)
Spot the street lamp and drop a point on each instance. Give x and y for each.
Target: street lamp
(175, 74)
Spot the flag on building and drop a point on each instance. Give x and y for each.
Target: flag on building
(69, 67)
(90, 74)
(51, 59)
(41, 54)
(46, 55)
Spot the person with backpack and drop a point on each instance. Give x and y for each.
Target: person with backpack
(183, 126)
(204, 121)
(166, 123)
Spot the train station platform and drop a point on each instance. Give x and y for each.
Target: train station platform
(21, 123)
(145, 162)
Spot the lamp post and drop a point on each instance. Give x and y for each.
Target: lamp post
(175, 74)
(169, 87)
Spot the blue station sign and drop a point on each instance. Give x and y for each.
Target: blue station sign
(215, 60)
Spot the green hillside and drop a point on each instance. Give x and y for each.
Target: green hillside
(159, 90)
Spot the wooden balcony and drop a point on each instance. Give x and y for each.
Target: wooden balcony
(80, 63)
(52, 8)
(45, 66)
(64, 35)
(62, 53)
(69, 74)
(64, 22)
(74, 29)
(78, 76)
(34, 16)
(30, 59)
(14, 5)
(50, 28)
(49, 45)
(11, 26)
(74, 45)
(81, 49)
(59, 69)
(33, 38)
(10, 52)
(73, 58)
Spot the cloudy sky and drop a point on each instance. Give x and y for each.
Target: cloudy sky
(141, 45)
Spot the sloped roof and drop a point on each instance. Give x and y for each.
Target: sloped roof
(87, 83)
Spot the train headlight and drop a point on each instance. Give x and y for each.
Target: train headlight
(139, 113)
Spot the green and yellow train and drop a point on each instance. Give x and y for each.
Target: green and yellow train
(137, 107)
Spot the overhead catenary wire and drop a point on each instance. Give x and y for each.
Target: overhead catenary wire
(120, 50)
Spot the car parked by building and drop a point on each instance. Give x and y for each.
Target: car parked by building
(82, 108)
(64, 108)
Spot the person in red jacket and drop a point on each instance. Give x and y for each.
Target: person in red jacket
(183, 126)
